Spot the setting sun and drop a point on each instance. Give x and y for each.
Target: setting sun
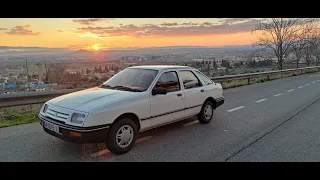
(95, 47)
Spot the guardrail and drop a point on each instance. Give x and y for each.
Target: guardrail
(9, 100)
(243, 79)
(27, 98)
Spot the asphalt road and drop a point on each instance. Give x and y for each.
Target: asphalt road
(273, 121)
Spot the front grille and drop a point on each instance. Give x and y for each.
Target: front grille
(55, 120)
(55, 115)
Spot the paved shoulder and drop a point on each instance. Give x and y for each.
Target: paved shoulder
(298, 139)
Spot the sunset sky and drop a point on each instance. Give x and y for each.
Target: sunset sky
(99, 33)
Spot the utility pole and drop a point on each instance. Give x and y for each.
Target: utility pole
(28, 74)
(47, 75)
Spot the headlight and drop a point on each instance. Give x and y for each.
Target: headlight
(45, 107)
(77, 118)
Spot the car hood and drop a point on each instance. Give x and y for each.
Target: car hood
(89, 99)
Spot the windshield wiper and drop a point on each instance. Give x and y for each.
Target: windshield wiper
(126, 88)
(105, 86)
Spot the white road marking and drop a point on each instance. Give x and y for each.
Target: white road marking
(300, 87)
(318, 80)
(307, 84)
(261, 100)
(314, 82)
(278, 94)
(290, 90)
(234, 109)
(190, 123)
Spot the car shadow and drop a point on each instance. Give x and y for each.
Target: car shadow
(89, 151)
(99, 149)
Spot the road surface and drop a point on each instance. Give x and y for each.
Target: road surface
(273, 121)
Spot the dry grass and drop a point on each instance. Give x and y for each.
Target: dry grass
(19, 115)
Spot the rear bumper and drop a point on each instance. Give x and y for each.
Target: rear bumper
(97, 134)
(219, 101)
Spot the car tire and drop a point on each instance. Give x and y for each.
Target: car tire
(206, 112)
(122, 136)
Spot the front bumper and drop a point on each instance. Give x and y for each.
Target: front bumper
(96, 134)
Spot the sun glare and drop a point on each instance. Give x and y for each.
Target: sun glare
(95, 47)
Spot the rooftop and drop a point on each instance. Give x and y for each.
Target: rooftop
(160, 67)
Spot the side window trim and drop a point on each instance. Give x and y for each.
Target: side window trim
(204, 76)
(166, 71)
(201, 83)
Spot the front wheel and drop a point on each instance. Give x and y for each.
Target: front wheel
(122, 136)
(206, 113)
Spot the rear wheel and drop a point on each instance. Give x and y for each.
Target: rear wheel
(206, 113)
(122, 136)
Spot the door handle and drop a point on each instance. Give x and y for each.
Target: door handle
(202, 90)
(179, 95)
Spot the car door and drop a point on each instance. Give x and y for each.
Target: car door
(193, 92)
(169, 107)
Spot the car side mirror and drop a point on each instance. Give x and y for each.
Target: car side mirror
(159, 90)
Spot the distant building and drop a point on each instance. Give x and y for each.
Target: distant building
(221, 68)
(71, 71)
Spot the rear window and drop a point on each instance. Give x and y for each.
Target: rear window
(205, 79)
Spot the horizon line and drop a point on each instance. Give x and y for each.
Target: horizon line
(70, 48)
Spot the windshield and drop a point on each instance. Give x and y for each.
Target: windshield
(132, 79)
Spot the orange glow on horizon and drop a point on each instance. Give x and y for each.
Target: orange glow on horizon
(120, 33)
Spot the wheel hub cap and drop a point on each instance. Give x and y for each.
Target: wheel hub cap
(124, 136)
(208, 112)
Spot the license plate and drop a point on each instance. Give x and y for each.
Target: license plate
(51, 127)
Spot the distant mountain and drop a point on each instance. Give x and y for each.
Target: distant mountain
(23, 48)
(29, 51)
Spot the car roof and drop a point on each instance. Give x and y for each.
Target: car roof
(161, 67)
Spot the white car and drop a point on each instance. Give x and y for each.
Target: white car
(134, 100)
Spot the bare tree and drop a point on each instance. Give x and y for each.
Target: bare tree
(278, 34)
(304, 43)
(316, 51)
(310, 35)
(297, 49)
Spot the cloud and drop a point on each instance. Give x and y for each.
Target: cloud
(207, 23)
(169, 24)
(238, 20)
(22, 30)
(189, 24)
(225, 26)
(90, 21)
(3, 29)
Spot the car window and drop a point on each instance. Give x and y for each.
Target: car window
(189, 80)
(169, 80)
(204, 78)
(132, 78)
